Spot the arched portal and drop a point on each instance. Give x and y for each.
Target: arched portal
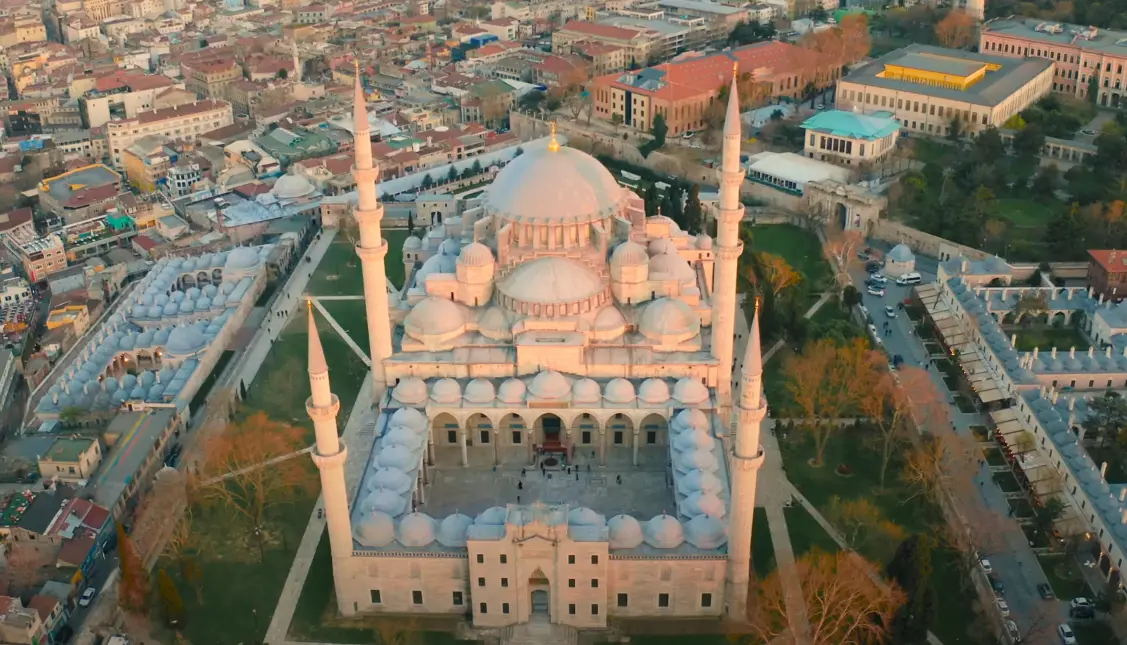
(655, 430)
(539, 589)
(619, 430)
(447, 439)
(479, 435)
(586, 429)
(842, 213)
(550, 431)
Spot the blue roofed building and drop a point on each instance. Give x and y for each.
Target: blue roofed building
(850, 138)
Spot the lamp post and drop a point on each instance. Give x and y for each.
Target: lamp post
(254, 615)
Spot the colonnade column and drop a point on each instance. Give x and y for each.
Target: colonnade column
(462, 445)
(496, 446)
(430, 449)
(602, 447)
(531, 448)
(637, 437)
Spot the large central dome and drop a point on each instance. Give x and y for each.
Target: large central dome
(555, 186)
(560, 285)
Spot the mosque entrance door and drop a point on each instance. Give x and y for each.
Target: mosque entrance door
(551, 426)
(540, 602)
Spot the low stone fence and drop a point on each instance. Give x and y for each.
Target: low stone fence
(922, 243)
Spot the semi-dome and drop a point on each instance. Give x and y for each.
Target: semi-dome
(663, 532)
(706, 532)
(653, 390)
(411, 391)
(586, 390)
(397, 457)
(434, 317)
(692, 440)
(480, 390)
(446, 390)
(554, 187)
(629, 254)
(661, 245)
(293, 187)
(476, 255)
(409, 417)
(609, 318)
(625, 532)
(385, 501)
(551, 280)
(669, 319)
(416, 530)
(690, 418)
(673, 265)
(699, 481)
(512, 391)
(452, 530)
(550, 384)
(391, 479)
(374, 530)
(700, 503)
(583, 516)
(690, 390)
(620, 390)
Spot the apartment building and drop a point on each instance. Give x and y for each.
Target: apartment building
(182, 123)
(683, 91)
(926, 88)
(38, 256)
(70, 459)
(99, 10)
(121, 96)
(80, 194)
(601, 58)
(636, 44)
(148, 161)
(209, 78)
(1079, 55)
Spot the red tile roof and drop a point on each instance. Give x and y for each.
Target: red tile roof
(86, 196)
(44, 605)
(602, 31)
(145, 242)
(8, 221)
(74, 552)
(1113, 261)
(335, 164)
(188, 109)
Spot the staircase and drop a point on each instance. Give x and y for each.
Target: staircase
(538, 631)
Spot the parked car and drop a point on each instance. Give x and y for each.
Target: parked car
(1012, 630)
(876, 277)
(985, 564)
(997, 586)
(1003, 607)
(87, 597)
(872, 267)
(1066, 635)
(1082, 612)
(890, 311)
(1046, 591)
(1080, 601)
(819, 106)
(876, 291)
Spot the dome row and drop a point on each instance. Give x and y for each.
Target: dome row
(550, 385)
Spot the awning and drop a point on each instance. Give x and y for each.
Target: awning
(1001, 416)
(1008, 428)
(1046, 486)
(991, 395)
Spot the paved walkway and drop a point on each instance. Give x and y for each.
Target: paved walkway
(341, 332)
(264, 464)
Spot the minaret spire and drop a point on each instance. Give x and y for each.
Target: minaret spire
(372, 248)
(744, 462)
(296, 62)
(728, 246)
(329, 455)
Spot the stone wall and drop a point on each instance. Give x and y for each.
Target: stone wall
(922, 243)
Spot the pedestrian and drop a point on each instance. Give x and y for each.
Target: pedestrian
(588, 467)
(576, 474)
(518, 499)
(592, 454)
(520, 485)
(522, 472)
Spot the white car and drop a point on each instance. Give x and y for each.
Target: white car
(1066, 635)
(876, 277)
(985, 564)
(889, 311)
(876, 291)
(87, 597)
(1012, 630)
(1081, 602)
(1003, 608)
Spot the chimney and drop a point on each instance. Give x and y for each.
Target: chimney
(1091, 352)
(1103, 469)
(1089, 292)
(1072, 352)
(1034, 352)
(1072, 402)
(1013, 340)
(1054, 353)
(1070, 291)
(1123, 494)
(1124, 518)
(1056, 396)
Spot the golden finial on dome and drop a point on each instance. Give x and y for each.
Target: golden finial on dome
(735, 68)
(758, 301)
(554, 144)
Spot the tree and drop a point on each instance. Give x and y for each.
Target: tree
(659, 130)
(426, 182)
(1107, 417)
(133, 585)
(452, 175)
(694, 212)
(825, 380)
(476, 167)
(988, 147)
(844, 602)
(190, 570)
(516, 153)
(776, 272)
(1093, 93)
(531, 100)
(888, 406)
(236, 478)
(850, 297)
(589, 107)
(163, 519)
(1031, 305)
(818, 14)
(1029, 141)
(411, 223)
(911, 569)
(862, 523)
(616, 120)
(842, 246)
(1046, 515)
(170, 601)
(955, 128)
(283, 74)
(812, 215)
(956, 30)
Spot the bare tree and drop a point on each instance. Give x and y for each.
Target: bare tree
(862, 523)
(842, 246)
(812, 215)
(888, 406)
(843, 602)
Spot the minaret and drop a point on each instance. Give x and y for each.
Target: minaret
(372, 248)
(329, 454)
(744, 464)
(728, 247)
(976, 9)
(296, 62)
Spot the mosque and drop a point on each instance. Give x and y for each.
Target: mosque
(556, 439)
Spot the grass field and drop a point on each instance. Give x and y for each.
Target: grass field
(339, 273)
(1064, 576)
(1047, 338)
(799, 248)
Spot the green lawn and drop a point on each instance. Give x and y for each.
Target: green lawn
(1007, 482)
(1044, 339)
(931, 151)
(350, 315)
(1064, 576)
(798, 247)
(339, 273)
(994, 457)
(1026, 213)
(806, 534)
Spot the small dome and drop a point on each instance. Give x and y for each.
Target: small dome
(609, 318)
(476, 255)
(127, 342)
(416, 530)
(699, 481)
(434, 317)
(192, 293)
(154, 311)
(664, 532)
(397, 457)
(403, 436)
(628, 254)
(668, 317)
(692, 440)
(184, 341)
(449, 246)
(696, 460)
(480, 390)
(376, 529)
(411, 391)
(186, 306)
(512, 391)
(690, 390)
(901, 253)
(391, 479)
(700, 503)
(672, 264)
(706, 532)
(412, 243)
(452, 530)
(292, 187)
(409, 417)
(494, 515)
(171, 309)
(446, 390)
(625, 532)
(586, 391)
(662, 245)
(620, 390)
(654, 391)
(243, 257)
(704, 242)
(385, 501)
(690, 418)
(550, 384)
(583, 516)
